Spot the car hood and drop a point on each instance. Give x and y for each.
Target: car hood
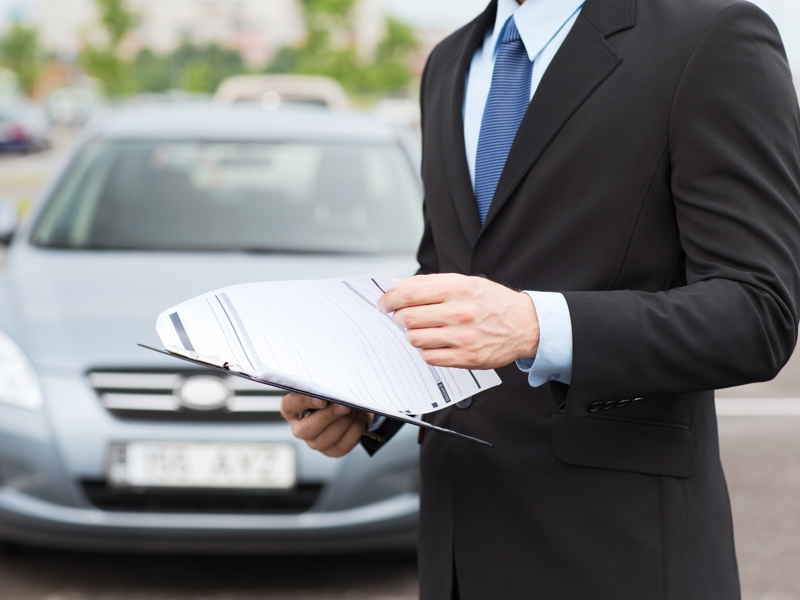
(85, 309)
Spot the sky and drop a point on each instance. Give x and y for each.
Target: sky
(452, 13)
(445, 13)
(15, 9)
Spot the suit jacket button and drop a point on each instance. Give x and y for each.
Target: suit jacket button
(636, 400)
(623, 402)
(595, 407)
(465, 403)
(609, 404)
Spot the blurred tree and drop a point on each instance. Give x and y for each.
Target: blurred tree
(102, 60)
(197, 69)
(20, 52)
(325, 15)
(284, 61)
(329, 49)
(150, 72)
(117, 19)
(329, 43)
(202, 68)
(107, 67)
(390, 71)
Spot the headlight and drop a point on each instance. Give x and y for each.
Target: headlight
(18, 382)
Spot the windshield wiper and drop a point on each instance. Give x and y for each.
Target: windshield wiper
(279, 250)
(242, 250)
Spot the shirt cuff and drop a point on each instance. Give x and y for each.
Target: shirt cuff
(553, 360)
(376, 423)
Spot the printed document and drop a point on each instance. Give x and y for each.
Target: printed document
(324, 337)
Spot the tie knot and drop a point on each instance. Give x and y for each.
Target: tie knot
(510, 32)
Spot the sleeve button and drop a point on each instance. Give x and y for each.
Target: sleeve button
(636, 400)
(595, 407)
(609, 404)
(623, 402)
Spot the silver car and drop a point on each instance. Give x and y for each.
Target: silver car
(153, 207)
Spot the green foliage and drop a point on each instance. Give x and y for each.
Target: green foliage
(329, 50)
(285, 60)
(336, 8)
(398, 43)
(197, 69)
(390, 71)
(116, 18)
(104, 65)
(150, 72)
(201, 69)
(102, 60)
(324, 15)
(20, 52)
(193, 68)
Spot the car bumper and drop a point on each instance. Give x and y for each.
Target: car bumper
(390, 523)
(364, 503)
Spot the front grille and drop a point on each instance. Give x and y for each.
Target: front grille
(285, 502)
(155, 395)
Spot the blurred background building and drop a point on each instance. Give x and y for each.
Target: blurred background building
(375, 48)
(136, 46)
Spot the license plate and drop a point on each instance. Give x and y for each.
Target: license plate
(202, 465)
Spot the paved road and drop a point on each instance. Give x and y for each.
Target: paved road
(762, 463)
(46, 575)
(761, 456)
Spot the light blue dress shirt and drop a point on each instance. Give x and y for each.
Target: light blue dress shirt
(543, 25)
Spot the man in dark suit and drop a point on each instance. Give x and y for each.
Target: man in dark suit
(646, 196)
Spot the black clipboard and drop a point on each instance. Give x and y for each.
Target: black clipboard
(406, 419)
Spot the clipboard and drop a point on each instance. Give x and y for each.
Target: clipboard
(224, 367)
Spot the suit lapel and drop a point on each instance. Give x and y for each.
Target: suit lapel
(455, 154)
(582, 63)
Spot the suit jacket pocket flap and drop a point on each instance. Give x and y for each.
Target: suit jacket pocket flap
(623, 445)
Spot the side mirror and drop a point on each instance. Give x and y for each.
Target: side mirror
(8, 220)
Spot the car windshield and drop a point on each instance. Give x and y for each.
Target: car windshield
(236, 196)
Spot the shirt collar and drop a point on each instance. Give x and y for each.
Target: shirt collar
(538, 21)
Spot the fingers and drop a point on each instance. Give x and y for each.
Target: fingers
(332, 429)
(437, 337)
(418, 291)
(294, 404)
(333, 433)
(455, 357)
(310, 426)
(314, 424)
(349, 440)
(416, 317)
(466, 322)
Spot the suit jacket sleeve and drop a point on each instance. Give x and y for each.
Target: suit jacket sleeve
(387, 431)
(734, 140)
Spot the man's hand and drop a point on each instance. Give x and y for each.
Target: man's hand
(466, 322)
(332, 429)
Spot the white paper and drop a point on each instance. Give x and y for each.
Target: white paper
(325, 337)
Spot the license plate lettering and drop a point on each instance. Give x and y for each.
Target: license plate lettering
(202, 465)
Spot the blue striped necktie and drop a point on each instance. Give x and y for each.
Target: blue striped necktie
(506, 105)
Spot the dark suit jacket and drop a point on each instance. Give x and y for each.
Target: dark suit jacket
(655, 182)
